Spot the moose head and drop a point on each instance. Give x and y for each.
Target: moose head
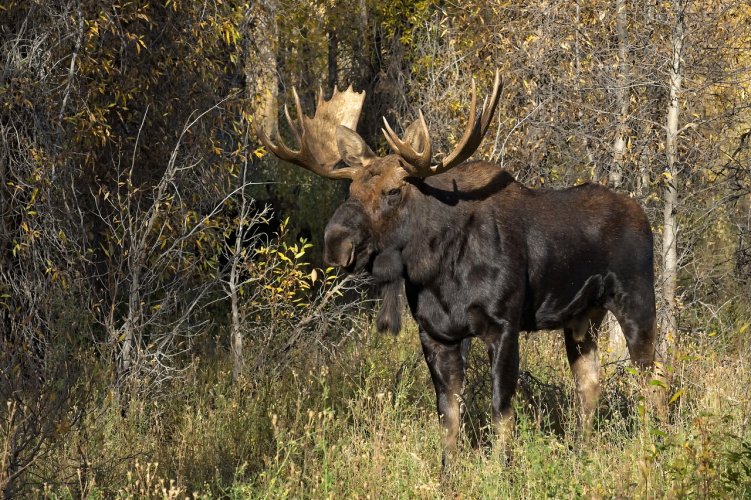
(369, 222)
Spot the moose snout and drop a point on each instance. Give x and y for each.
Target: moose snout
(339, 248)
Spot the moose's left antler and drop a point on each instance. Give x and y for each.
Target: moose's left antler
(416, 150)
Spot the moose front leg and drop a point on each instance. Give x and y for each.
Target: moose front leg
(503, 350)
(446, 363)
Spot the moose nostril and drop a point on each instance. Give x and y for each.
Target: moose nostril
(339, 250)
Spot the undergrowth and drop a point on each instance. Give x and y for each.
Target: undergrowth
(364, 426)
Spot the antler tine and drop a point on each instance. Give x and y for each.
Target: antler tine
(300, 114)
(412, 135)
(391, 136)
(487, 113)
(293, 126)
(280, 150)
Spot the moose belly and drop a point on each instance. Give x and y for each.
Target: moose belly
(556, 306)
(451, 313)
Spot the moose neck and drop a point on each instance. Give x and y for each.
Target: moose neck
(426, 220)
(438, 212)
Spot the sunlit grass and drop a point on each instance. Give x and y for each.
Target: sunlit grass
(364, 426)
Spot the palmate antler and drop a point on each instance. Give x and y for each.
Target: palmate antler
(415, 147)
(317, 136)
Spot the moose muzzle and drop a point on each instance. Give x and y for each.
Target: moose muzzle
(346, 238)
(340, 249)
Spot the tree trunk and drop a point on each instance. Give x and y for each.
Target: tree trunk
(645, 171)
(364, 53)
(260, 64)
(615, 177)
(4, 199)
(333, 66)
(236, 340)
(236, 320)
(670, 232)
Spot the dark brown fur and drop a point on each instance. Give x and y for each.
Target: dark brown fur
(482, 256)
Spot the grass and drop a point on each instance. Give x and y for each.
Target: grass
(362, 425)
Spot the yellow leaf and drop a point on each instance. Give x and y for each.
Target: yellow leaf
(676, 396)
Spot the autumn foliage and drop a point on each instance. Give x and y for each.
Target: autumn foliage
(167, 327)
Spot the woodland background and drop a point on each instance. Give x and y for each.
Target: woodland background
(166, 327)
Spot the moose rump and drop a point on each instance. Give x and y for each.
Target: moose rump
(586, 246)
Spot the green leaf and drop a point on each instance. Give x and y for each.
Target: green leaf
(657, 383)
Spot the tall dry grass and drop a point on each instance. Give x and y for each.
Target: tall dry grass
(362, 425)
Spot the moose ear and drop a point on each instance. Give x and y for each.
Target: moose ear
(352, 149)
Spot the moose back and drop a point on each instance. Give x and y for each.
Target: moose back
(478, 254)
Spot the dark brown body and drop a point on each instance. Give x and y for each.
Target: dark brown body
(485, 248)
(482, 256)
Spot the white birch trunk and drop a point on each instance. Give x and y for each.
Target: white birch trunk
(615, 176)
(670, 224)
(236, 321)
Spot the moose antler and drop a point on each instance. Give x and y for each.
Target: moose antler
(317, 136)
(417, 137)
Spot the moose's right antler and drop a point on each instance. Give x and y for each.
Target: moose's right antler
(317, 136)
(417, 137)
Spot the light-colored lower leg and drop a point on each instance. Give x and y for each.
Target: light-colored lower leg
(583, 357)
(586, 370)
(450, 423)
(503, 426)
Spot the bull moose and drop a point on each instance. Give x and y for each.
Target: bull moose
(479, 254)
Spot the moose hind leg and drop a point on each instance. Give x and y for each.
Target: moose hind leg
(446, 365)
(581, 350)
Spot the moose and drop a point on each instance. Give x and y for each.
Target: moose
(478, 254)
